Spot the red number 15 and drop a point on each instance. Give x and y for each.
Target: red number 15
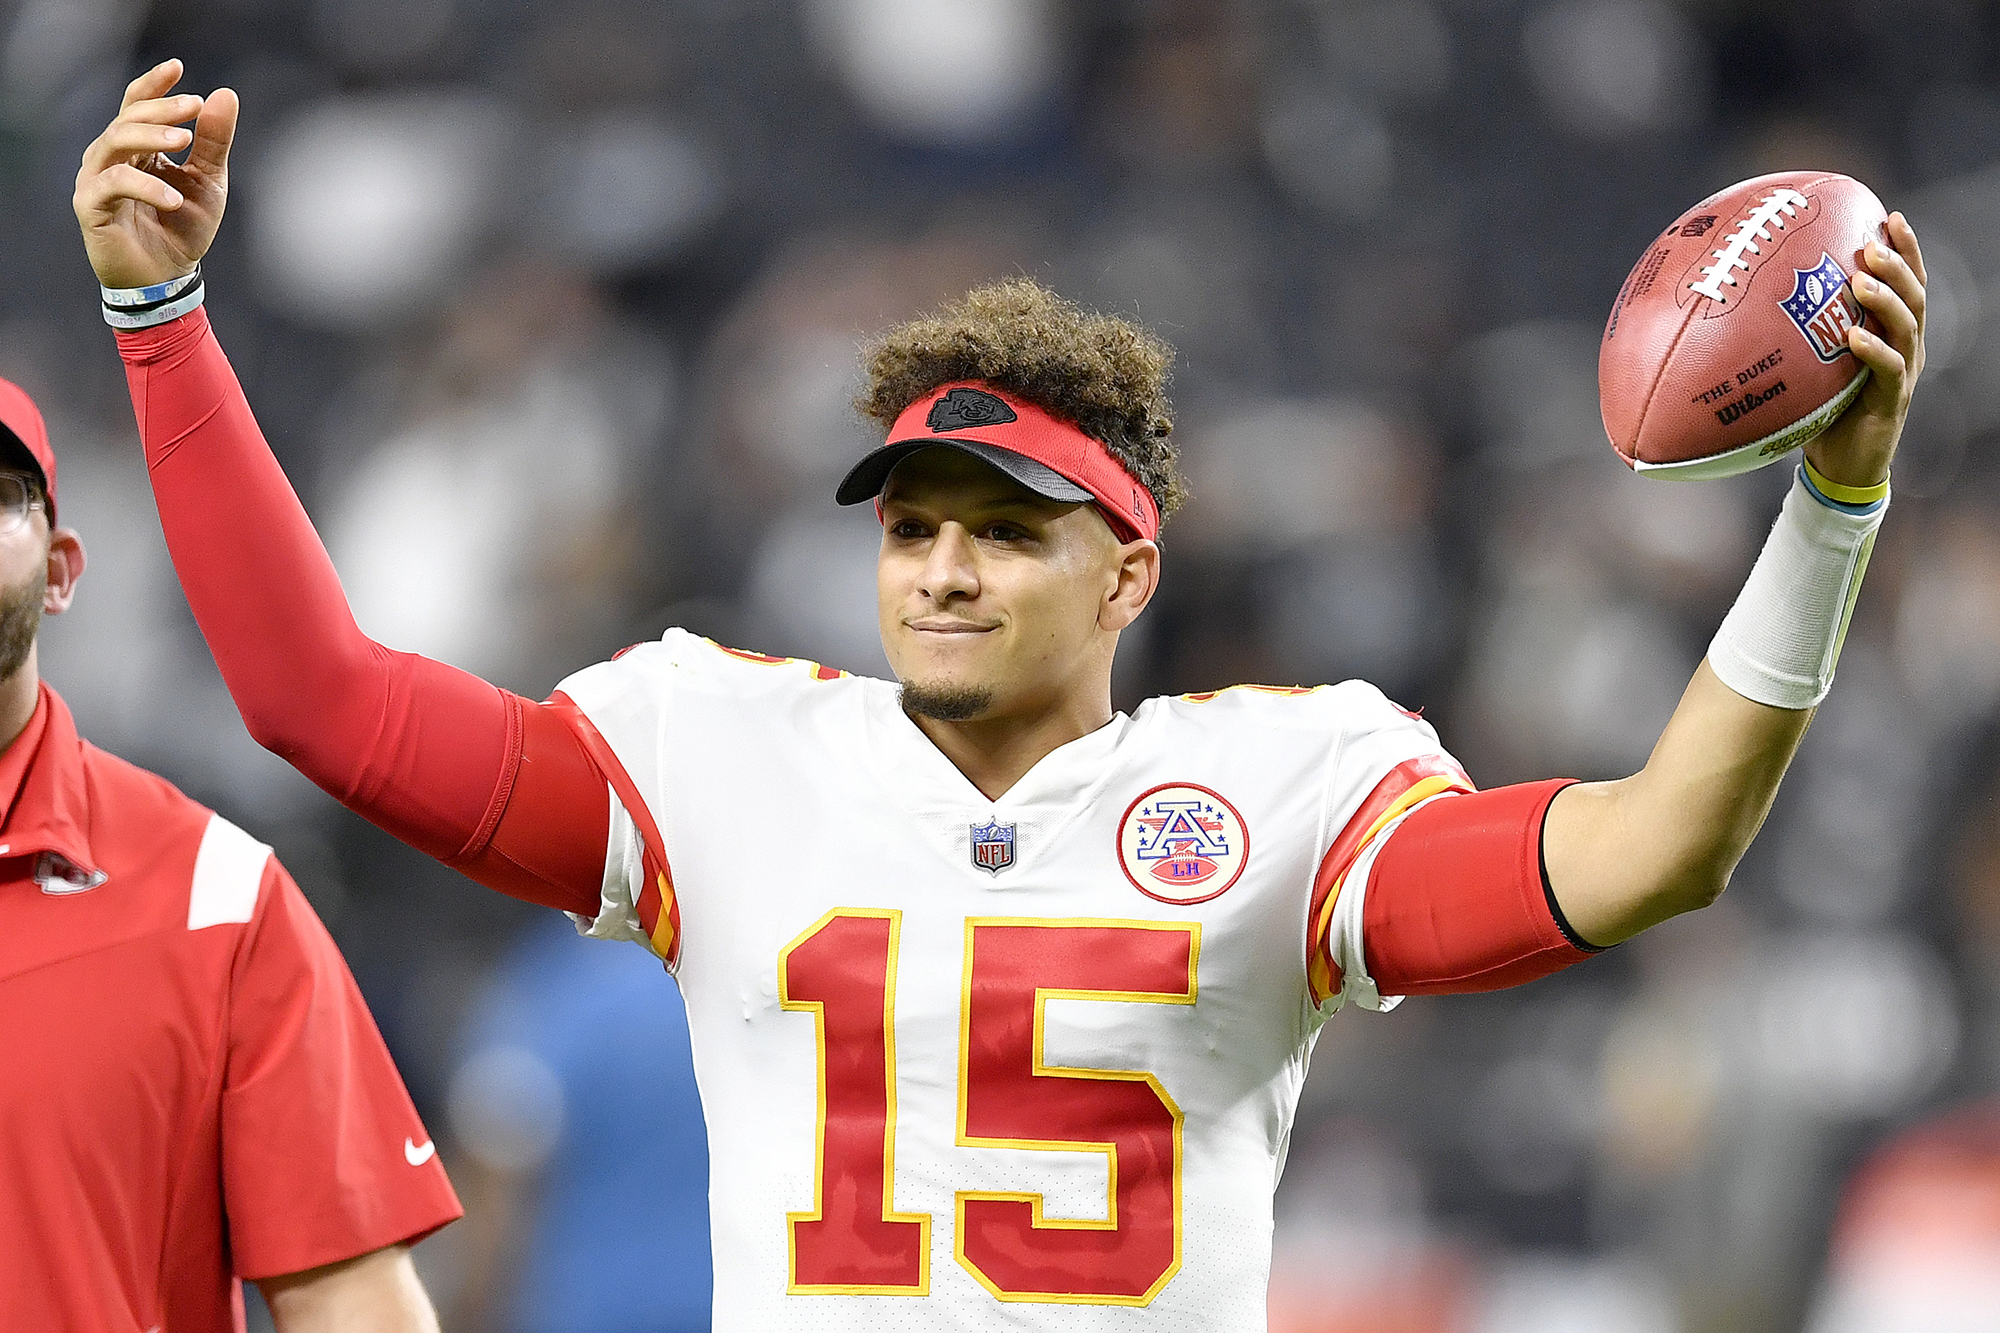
(843, 970)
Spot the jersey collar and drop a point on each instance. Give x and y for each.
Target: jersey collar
(44, 792)
(944, 805)
(925, 779)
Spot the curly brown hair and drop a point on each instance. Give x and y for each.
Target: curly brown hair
(1106, 374)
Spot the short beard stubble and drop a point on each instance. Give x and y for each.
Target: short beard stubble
(21, 620)
(946, 703)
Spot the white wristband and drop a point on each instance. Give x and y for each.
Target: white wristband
(143, 307)
(127, 298)
(1779, 643)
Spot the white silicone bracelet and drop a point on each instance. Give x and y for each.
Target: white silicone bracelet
(187, 296)
(125, 298)
(1780, 641)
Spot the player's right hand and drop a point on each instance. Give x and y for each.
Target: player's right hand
(145, 217)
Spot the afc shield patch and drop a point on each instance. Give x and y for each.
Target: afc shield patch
(1180, 843)
(993, 846)
(1822, 304)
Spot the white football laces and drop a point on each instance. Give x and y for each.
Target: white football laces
(1776, 206)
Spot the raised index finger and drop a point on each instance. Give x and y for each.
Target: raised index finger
(176, 110)
(152, 83)
(118, 139)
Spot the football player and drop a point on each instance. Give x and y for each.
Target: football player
(999, 997)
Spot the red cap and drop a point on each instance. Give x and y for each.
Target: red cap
(20, 417)
(1050, 456)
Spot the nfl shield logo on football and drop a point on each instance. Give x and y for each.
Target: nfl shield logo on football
(993, 846)
(1823, 306)
(1182, 843)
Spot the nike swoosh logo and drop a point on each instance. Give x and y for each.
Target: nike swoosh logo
(416, 1156)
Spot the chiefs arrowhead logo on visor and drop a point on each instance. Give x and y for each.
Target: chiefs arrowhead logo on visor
(961, 408)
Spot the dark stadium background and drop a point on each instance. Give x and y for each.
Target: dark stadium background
(550, 309)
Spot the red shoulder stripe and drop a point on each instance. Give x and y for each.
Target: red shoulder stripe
(1403, 786)
(659, 909)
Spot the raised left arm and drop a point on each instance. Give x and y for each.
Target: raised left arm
(372, 1293)
(1625, 855)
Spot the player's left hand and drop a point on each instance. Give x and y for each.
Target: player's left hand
(1857, 448)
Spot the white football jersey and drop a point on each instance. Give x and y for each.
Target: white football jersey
(975, 1064)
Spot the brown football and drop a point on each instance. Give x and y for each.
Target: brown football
(1727, 345)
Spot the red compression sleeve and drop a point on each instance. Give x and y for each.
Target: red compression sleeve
(431, 753)
(1457, 900)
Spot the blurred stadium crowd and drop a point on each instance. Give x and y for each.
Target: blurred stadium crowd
(550, 310)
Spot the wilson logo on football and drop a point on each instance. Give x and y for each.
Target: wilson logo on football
(1180, 843)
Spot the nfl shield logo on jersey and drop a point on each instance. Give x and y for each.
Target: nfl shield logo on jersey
(993, 846)
(1182, 844)
(1823, 306)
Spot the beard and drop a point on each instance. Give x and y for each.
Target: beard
(21, 620)
(945, 703)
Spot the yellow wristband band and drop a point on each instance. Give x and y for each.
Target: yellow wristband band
(1847, 495)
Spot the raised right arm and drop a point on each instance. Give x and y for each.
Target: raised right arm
(487, 782)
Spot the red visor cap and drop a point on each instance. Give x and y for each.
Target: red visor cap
(23, 420)
(1021, 440)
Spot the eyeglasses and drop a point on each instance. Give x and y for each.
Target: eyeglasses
(18, 495)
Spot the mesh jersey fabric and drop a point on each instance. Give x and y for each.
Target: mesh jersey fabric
(796, 804)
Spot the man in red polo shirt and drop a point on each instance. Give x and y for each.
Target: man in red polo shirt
(191, 1089)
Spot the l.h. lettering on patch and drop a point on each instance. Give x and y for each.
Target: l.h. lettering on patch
(1182, 843)
(1822, 304)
